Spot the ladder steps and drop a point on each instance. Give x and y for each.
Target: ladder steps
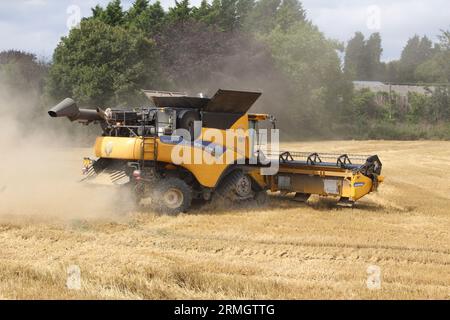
(149, 147)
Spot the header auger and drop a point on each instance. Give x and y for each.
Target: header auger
(183, 148)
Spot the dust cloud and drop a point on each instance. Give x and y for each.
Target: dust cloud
(41, 169)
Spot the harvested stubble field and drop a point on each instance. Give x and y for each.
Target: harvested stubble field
(284, 250)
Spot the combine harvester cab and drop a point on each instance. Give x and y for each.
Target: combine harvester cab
(137, 148)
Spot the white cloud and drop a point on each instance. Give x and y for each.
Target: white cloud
(37, 25)
(399, 20)
(36, 2)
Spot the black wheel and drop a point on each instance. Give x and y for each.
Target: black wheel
(171, 196)
(301, 197)
(346, 202)
(236, 187)
(186, 121)
(261, 198)
(141, 195)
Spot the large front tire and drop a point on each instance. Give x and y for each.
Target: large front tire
(172, 196)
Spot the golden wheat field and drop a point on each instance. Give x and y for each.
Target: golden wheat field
(285, 250)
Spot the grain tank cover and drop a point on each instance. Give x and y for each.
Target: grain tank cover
(224, 101)
(168, 99)
(229, 101)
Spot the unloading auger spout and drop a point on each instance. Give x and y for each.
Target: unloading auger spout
(68, 108)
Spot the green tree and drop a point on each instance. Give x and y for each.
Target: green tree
(372, 61)
(155, 18)
(137, 9)
(98, 12)
(99, 64)
(363, 58)
(444, 38)
(243, 9)
(263, 18)
(289, 13)
(436, 68)
(114, 15)
(439, 107)
(313, 65)
(391, 73)
(141, 17)
(21, 70)
(22, 77)
(145, 17)
(221, 13)
(416, 52)
(364, 106)
(417, 107)
(355, 55)
(227, 15)
(135, 17)
(203, 13)
(181, 12)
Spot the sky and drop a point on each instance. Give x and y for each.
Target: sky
(37, 25)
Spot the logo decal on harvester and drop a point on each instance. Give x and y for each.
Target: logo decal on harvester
(109, 148)
(358, 184)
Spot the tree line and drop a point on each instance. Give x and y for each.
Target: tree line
(267, 45)
(387, 114)
(421, 60)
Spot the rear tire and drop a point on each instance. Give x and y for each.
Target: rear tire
(236, 187)
(172, 196)
(187, 120)
(261, 198)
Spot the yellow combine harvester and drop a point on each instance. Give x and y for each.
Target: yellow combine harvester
(183, 148)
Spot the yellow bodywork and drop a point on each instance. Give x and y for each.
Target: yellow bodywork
(360, 186)
(207, 173)
(131, 149)
(208, 167)
(311, 180)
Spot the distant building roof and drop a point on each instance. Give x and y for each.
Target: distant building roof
(400, 89)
